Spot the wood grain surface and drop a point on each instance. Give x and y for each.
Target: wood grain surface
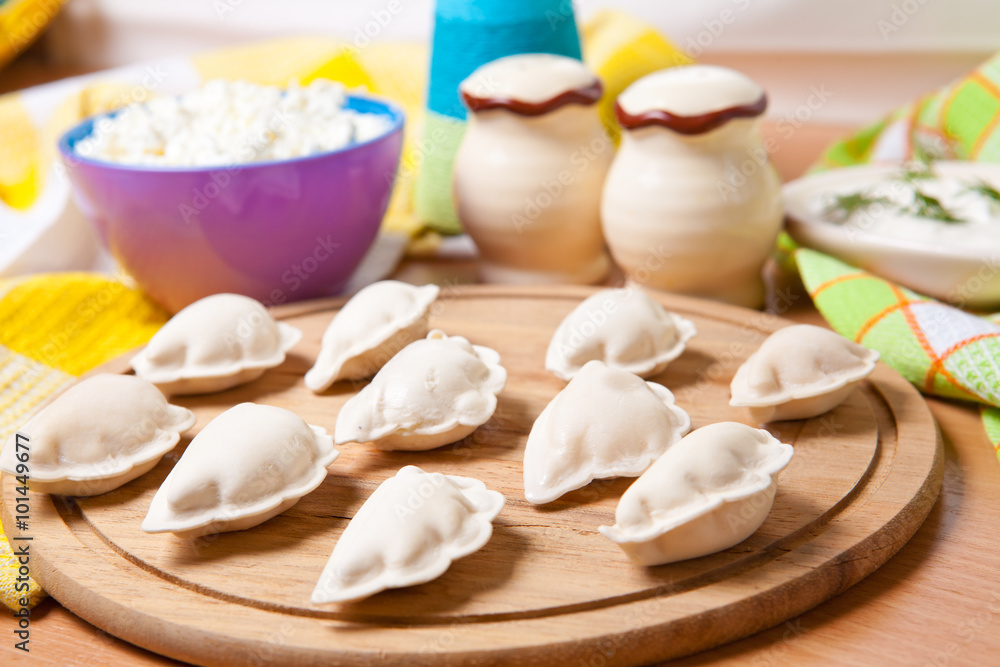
(547, 589)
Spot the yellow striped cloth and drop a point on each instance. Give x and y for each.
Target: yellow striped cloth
(52, 329)
(55, 327)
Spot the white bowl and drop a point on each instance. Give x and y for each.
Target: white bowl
(964, 275)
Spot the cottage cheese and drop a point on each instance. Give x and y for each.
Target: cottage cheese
(225, 123)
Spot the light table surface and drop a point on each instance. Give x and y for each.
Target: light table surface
(937, 602)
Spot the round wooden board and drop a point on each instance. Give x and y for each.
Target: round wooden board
(547, 589)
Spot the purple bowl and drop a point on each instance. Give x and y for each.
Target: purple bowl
(276, 231)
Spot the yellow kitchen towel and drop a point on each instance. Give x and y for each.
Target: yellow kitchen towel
(620, 49)
(21, 22)
(55, 327)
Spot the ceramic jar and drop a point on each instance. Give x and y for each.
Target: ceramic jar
(691, 203)
(528, 174)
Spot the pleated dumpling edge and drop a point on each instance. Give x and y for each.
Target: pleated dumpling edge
(370, 329)
(218, 342)
(99, 434)
(408, 532)
(800, 371)
(249, 464)
(625, 328)
(605, 423)
(434, 392)
(708, 492)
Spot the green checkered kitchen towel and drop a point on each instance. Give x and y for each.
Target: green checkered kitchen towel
(942, 350)
(958, 122)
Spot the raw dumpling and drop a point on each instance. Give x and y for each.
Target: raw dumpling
(247, 465)
(800, 372)
(710, 491)
(435, 391)
(99, 434)
(623, 327)
(370, 329)
(606, 423)
(216, 343)
(408, 532)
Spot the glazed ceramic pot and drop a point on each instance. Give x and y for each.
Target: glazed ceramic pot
(691, 203)
(528, 175)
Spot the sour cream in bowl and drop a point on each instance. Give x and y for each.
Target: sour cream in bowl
(934, 229)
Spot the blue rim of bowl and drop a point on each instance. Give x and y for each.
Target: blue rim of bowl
(359, 103)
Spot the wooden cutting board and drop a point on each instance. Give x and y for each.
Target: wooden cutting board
(547, 589)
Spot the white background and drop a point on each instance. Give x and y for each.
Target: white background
(774, 25)
(897, 49)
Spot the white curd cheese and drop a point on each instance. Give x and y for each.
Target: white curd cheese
(232, 122)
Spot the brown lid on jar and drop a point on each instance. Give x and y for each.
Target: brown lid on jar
(530, 84)
(689, 100)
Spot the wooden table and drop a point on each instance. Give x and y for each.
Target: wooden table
(936, 603)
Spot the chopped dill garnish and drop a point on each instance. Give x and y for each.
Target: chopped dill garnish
(984, 189)
(931, 208)
(913, 172)
(843, 207)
